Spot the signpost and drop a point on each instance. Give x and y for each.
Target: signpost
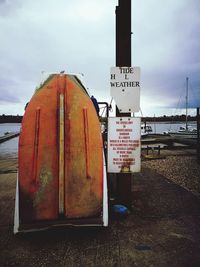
(123, 59)
(198, 136)
(124, 145)
(125, 88)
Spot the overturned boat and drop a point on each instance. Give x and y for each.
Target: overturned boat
(62, 175)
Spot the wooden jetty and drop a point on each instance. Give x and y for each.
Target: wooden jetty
(167, 141)
(8, 136)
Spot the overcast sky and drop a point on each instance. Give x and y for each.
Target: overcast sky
(79, 37)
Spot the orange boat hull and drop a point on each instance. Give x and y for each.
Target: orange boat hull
(60, 154)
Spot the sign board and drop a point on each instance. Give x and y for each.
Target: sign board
(125, 88)
(124, 144)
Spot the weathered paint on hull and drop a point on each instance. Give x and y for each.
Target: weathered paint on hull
(60, 154)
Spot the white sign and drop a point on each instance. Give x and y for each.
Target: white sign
(125, 88)
(124, 144)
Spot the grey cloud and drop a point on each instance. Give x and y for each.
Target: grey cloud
(9, 7)
(169, 51)
(8, 97)
(44, 35)
(8, 91)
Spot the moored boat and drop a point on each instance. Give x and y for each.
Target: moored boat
(145, 130)
(186, 131)
(190, 132)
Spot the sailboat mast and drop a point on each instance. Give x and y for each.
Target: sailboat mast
(186, 106)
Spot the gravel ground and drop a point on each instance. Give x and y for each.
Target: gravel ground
(182, 170)
(162, 230)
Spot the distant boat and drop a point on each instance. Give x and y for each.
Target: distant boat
(145, 130)
(183, 132)
(187, 131)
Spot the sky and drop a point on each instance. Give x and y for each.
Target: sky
(45, 36)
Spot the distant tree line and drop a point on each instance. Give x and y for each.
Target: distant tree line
(10, 118)
(169, 118)
(17, 118)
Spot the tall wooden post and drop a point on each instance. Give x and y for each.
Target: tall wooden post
(123, 58)
(198, 136)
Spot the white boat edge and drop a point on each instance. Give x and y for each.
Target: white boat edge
(16, 212)
(105, 194)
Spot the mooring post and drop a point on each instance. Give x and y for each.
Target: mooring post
(159, 150)
(123, 58)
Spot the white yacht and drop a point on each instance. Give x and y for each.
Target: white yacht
(186, 131)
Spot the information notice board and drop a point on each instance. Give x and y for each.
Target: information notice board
(124, 144)
(125, 88)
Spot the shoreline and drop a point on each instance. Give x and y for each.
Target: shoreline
(164, 118)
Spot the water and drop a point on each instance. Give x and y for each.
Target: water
(160, 127)
(10, 147)
(9, 127)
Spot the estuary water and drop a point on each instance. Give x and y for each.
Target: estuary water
(10, 147)
(160, 127)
